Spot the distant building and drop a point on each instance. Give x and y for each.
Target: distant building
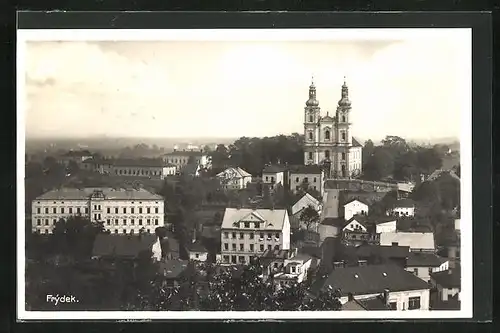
(305, 201)
(273, 175)
(234, 178)
(77, 156)
(304, 177)
(174, 272)
(246, 233)
(182, 157)
(121, 210)
(417, 241)
(295, 269)
(403, 207)
(328, 140)
(399, 289)
(422, 264)
(143, 167)
(196, 250)
(448, 283)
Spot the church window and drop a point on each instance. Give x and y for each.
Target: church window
(343, 119)
(327, 154)
(343, 136)
(327, 135)
(311, 118)
(310, 136)
(343, 156)
(310, 155)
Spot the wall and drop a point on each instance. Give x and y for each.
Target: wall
(400, 297)
(404, 211)
(386, 227)
(314, 181)
(278, 177)
(327, 231)
(353, 208)
(202, 256)
(354, 225)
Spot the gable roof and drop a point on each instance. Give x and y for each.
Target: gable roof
(109, 192)
(305, 201)
(273, 169)
(355, 199)
(122, 245)
(273, 218)
(422, 259)
(355, 143)
(358, 218)
(196, 246)
(372, 279)
(415, 240)
(238, 171)
(404, 203)
(448, 279)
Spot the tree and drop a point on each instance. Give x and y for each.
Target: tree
(379, 165)
(309, 216)
(368, 150)
(429, 160)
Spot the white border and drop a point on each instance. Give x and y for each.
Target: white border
(250, 35)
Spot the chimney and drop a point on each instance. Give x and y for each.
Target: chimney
(386, 296)
(350, 297)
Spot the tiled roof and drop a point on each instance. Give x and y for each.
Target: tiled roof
(270, 219)
(305, 169)
(415, 240)
(448, 279)
(185, 153)
(274, 169)
(109, 193)
(122, 245)
(172, 269)
(313, 251)
(394, 251)
(422, 259)
(355, 199)
(356, 143)
(353, 305)
(372, 279)
(305, 201)
(238, 171)
(275, 254)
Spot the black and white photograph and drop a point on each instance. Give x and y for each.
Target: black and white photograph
(245, 174)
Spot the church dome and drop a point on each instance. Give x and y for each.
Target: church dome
(345, 102)
(312, 102)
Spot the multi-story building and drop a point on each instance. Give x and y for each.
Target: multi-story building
(121, 210)
(180, 158)
(304, 177)
(246, 233)
(144, 167)
(403, 207)
(234, 178)
(328, 140)
(273, 175)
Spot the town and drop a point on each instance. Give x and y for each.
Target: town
(316, 221)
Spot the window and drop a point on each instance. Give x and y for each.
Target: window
(277, 236)
(311, 119)
(327, 135)
(269, 247)
(310, 155)
(132, 231)
(38, 210)
(124, 231)
(54, 210)
(343, 156)
(38, 222)
(132, 221)
(86, 210)
(247, 224)
(140, 221)
(77, 210)
(241, 235)
(310, 136)
(234, 247)
(124, 210)
(393, 306)
(261, 247)
(62, 210)
(225, 258)
(269, 236)
(267, 178)
(125, 222)
(413, 303)
(70, 210)
(233, 235)
(293, 269)
(132, 210)
(251, 247)
(116, 231)
(297, 180)
(314, 180)
(233, 259)
(148, 210)
(241, 259)
(415, 271)
(108, 221)
(116, 210)
(140, 210)
(242, 247)
(343, 136)
(156, 210)
(197, 255)
(261, 236)
(306, 180)
(343, 119)
(226, 246)
(252, 236)
(46, 221)
(116, 221)
(156, 221)
(108, 210)
(226, 235)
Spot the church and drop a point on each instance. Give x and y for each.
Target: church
(328, 140)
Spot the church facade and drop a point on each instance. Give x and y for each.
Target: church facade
(328, 140)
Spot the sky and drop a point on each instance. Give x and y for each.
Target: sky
(411, 87)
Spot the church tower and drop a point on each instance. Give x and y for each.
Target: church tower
(344, 136)
(312, 116)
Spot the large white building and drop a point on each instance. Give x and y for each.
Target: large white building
(144, 167)
(180, 158)
(246, 233)
(123, 211)
(329, 139)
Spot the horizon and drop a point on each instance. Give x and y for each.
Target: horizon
(406, 86)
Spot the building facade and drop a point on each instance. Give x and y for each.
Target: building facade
(307, 177)
(354, 207)
(246, 233)
(144, 168)
(123, 211)
(180, 158)
(329, 140)
(234, 178)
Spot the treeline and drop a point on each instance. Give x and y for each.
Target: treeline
(252, 154)
(395, 158)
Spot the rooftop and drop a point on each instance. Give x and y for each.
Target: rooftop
(448, 279)
(185, 153)
(404, 203)
(415, 240)
(273, 169)
(305, 201)
(355, 143)
(77, 153)
(305, 169)
(371, 279)
(393, 251)
(422, 259)
(197, 246)
(269, 219)
(108, 192)
(239, 172)
(355, 199)
(122, 245)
